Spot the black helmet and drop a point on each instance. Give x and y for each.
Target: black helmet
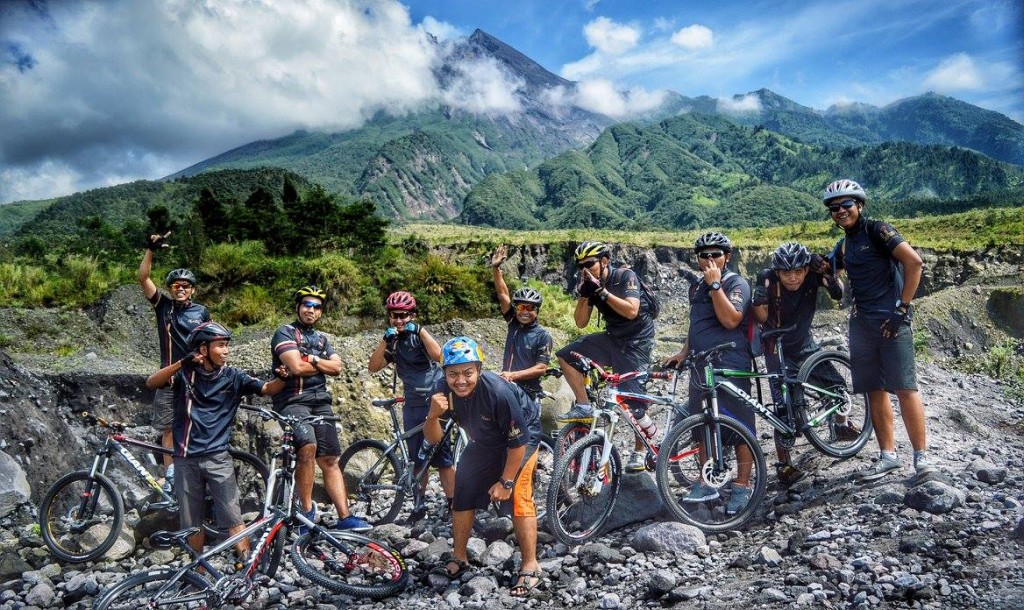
(180, 274)
(527, 295)
(591, 249)
(311, 291)
(712, 240)
(791, 256)
(206, 332)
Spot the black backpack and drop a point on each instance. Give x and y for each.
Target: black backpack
(653, 306)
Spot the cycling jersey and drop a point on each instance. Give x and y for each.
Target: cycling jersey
(497, 415)
(624, 284)
(174, 322)
(308, 341)
(205, 403)
(414, 366)
(867, 258)
(525, 347)
(706, 331)
(796, 307)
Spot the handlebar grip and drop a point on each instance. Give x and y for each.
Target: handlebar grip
(667, 375)
(385, 403)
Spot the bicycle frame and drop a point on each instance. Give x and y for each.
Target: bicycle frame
(114, 445)
(409, 474)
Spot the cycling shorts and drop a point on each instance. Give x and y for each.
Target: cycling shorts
(324, 436)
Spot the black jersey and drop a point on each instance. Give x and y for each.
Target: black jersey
(497, 415)
(525, 347)
(706, 331)
(205, 403)
(414, 366)
(874, 276)
(174, 322)
(787, 308)
(307, 341)
(624, 284)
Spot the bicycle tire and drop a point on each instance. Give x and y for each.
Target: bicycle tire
(832, 367)
(459, 444)
(680, 472)
(251, 475)
(373, 478)
(582, 494)
(271, 559)
(686, 441)
(348, 563)
(80, 507)
(567, 435)
(136, 591)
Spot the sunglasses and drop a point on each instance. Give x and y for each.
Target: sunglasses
(312, 305)
(525, 307)
(399, 315)
(714, 254)
(586, 264)
(181, 286)
(842, 205)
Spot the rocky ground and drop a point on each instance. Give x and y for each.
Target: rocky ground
(952, 540)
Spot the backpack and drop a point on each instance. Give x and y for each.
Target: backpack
(751, 329)
(653, 306)
(839, 254)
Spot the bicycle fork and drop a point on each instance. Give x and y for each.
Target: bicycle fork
(589, 481)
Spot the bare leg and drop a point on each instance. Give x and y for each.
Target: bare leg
(447, 476)
(912, 410)
(526, 535)
(167, 441)
(242, 546)
(575, 380)
(462, 527)
(304, 475)
(744, 464)
(197, 540)
(882, 419)
(334, 483)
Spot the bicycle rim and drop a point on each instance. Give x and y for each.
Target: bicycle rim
(80, 517)
(582, 491)
(140, 591)
(828, 412)
(567, 435)
(373, 481)
(700, 453)
(350, 564)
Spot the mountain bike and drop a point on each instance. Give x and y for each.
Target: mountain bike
(82, 513)
(585, 482)
(816, 403)
(339, 561)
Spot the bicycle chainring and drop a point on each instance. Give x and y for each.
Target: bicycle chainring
(786, 441)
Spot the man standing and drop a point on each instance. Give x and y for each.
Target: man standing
(309, 357)
(884, 273)
(503, 426)
(176, 316)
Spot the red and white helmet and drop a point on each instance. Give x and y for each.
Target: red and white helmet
(400, 301)
(844, 188)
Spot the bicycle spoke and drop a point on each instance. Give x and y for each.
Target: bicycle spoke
(838, 422)
(582, 492)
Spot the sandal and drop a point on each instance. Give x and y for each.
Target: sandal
(461, 567)
(524, 587)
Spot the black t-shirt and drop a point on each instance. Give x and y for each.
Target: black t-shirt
(205, 403)
(786, 308)
(525, 347)
(307, 341)
(497, 415)
(624, 284)
(867, 258)
(417, 370)
(174, 322)
(705, 329)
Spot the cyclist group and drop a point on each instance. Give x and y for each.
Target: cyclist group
(198, 395)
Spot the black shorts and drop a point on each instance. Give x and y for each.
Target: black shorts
(879, 363)
(480, 468)
(622, 355)
(324, 436)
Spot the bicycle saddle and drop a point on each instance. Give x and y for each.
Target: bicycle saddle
(165, 540)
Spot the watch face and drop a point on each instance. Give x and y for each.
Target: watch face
(715, 286)
(508, 484)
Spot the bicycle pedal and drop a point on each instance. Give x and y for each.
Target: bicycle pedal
(162, 505)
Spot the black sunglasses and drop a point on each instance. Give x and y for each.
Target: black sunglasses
(842, 205)
(714, 254)
(312, 305)
(586, 264)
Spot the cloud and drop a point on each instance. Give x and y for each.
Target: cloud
(603, 97)
(590, 4)
(482, 86)
(740, 104)
(609, 37)
(955, 73)
(693, 37)
(440, 29)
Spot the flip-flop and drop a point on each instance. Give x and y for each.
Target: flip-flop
(441, 569)
(523, 588)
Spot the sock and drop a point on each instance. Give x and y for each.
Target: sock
(892, 455)
(585, 406)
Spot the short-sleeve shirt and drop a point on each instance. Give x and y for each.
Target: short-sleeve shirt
(307, 341)
(525, 347)
(497, 415)
(867, 258)
(414, 366)
(706, 331)
(797, 307)
(174, 322)
(205, 403)
(624, 284)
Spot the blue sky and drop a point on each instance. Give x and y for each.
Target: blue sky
(99, 92)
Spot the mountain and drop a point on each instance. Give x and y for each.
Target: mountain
(699, 170)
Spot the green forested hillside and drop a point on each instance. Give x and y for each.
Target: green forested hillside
(704, 170)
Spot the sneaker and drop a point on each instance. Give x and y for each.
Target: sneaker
(311, 514)
(923, 463)
(168, 485)
(739, 499)
(579, 414)
(789, 474)
(883, 466)
(847, 432)
(701, 492)
(637, 461)
(419, 511)
(353, 523)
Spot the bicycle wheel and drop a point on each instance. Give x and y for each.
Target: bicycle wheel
(582, 492)
(679, 468)
(567, 435)
(270, 561)
(705, 452)
(347, 563)
(836, 421)
(140, 591)
(373, 480)
(542, 474)
(81, 516)
(251, 475)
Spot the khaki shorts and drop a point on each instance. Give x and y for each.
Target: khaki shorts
(163, 409)
(213, 473)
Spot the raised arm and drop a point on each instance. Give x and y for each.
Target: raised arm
(500, 287)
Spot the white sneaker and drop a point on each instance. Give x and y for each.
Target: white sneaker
(883, 466)
(637, 461)
(923, 463)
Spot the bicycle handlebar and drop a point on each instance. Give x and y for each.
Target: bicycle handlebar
(693, 359)
(96, 420)
(617, 378)
(291, 420)
(387, 403)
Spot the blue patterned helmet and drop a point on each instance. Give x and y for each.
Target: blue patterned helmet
(461, 350)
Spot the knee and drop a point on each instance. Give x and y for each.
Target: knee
(306, 454)
(327, 462)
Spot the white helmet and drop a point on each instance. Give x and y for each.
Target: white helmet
(844, 188)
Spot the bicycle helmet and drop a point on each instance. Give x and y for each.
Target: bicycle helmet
(713, 239)
(591, 249)
(206, 332)
(461, 350)
(844, 188)
(527, 295)
(400, 301)
(311, 291)
(180, 274)
(791, 256)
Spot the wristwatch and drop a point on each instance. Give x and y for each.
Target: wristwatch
(507, 484)
(715, 286)
(603, 294)
(314, 360)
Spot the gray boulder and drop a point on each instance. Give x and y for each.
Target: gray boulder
(934, 497)
(14, 487)
(670, 537)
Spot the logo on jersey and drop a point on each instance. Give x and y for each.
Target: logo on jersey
(514, 432)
